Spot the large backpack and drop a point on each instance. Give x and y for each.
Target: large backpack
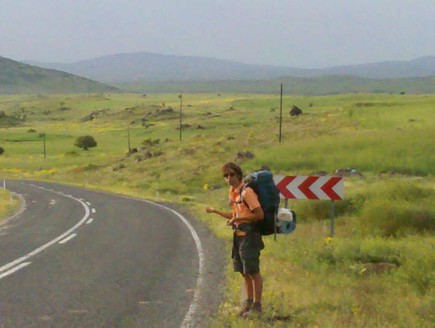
(268, 195)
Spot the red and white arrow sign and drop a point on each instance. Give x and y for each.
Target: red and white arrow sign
(310, 187)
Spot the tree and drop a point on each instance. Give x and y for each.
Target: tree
(85, 142)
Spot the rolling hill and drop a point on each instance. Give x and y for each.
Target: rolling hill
(149, 67)
(17, 77)
(150, 73)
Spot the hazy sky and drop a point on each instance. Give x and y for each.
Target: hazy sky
(298, 33)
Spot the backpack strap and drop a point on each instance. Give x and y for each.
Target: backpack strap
(252, 226)
(241, 195)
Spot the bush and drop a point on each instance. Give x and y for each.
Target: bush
(85, 142)
(2, 150)
(318, 210)
(371, 250)
(396, 209)
(395, 219)
(150, 142)
(418, 269)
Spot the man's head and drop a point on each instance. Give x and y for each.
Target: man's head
(232, 173)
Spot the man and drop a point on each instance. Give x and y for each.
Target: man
(247, 242)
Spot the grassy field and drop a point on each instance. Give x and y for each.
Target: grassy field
(377, 270)
(321, 85)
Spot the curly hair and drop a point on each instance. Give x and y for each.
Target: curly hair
(233, 167)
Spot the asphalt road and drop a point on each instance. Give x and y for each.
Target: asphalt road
(80, 258)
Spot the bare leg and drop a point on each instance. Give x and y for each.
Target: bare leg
(257, 286)
(249, 287)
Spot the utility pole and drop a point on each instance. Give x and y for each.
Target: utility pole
(280, 117)
(128, 138)
(181, 113)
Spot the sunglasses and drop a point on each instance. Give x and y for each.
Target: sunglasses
(231, 174)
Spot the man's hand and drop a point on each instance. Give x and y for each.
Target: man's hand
(232, 221)
(226, 215)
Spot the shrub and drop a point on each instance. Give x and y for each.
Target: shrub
(395, 219)
(85, 142)
(350, 252)
(2, 150)
(395, 209)
(321, 209)
(150, 142)
(418, 269)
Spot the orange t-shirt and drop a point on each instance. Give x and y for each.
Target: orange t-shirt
(240, 209)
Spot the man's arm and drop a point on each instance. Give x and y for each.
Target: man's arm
(250, 199)
(255, 215)
(226, 215)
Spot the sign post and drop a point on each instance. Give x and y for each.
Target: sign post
(280, 116)
(181, 114)
(312, 187)
(332, 212)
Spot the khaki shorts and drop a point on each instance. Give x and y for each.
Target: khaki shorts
(246, 253)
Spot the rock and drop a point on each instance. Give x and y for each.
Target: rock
(378, 268)
(319, 173)
(241, 155)
(348, 173)
(164, 111)
(190, 151)
(295, 111)
(184, 126)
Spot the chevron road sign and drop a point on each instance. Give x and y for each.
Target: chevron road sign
(310, 187)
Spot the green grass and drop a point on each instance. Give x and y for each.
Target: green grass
(9, 203)
(377, 271)
(292, 85)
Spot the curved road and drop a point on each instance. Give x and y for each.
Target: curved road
(80, 258)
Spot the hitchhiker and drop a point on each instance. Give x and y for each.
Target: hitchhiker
(247, 242)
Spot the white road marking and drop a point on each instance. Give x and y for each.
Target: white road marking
(189, 318)
(88, 203)
(15, 269)
(54, 241)
(93, 210)
(68, 238)
(89, 221)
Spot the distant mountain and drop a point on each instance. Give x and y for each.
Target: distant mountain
(16, 77)
(136, 67)
(420, 67)
(148, 67)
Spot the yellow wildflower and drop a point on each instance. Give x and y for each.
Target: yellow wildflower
(328, 240)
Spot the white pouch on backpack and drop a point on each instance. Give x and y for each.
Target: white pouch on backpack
(284, 214)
